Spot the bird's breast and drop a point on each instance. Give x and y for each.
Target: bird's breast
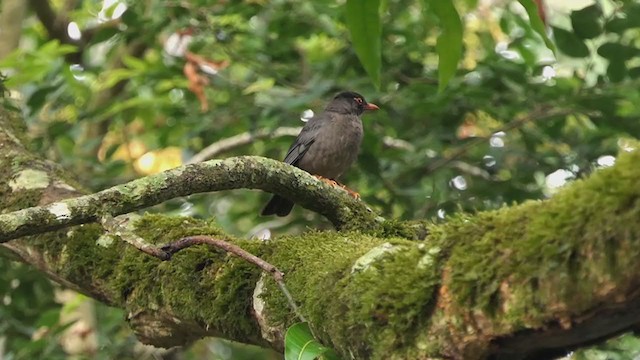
(335, 148)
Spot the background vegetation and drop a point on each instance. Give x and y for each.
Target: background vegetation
(476, 112)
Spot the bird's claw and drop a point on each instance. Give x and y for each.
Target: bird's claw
(328, 181)
(334, 183)
(354, 194)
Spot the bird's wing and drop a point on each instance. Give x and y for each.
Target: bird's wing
(304, 140)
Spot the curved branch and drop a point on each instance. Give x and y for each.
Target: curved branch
(246, 138)
(249, 172)
(56, 25)
(236, 141)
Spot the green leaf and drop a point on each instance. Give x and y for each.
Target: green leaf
(135, 63)
(617, 51)
(569, 43)
(299, 344)
(536, 22)
(111, 77)
(617, 24)
(617, 70)
(104, 34)
(39, 97)
(260, 85)
(449, 45)
(632, 9)
(129, 17)
(586, 22)
(634, 72)
(363, 22)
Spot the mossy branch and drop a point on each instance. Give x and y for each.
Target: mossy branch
(525, 280)
(248, 172)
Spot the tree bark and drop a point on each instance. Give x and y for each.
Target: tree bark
(11, 15)
(523, 281)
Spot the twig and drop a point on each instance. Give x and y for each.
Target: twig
(236, 141)
(56, 25)
(188, 241)
(246, 138)
(90, 32)
(400, 144)
(115, 227)
(538, 114)
(167, 251)
(471, 170)
(52, 22)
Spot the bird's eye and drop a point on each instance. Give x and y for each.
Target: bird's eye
(358, 100)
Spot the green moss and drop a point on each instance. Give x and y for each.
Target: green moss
(412, 230)
(162, 229)
(518, 262)
(383, 300)
(82, 265)
(293, 256)
(12, 122)
(388, 303)
(11, 200)
(200, 282)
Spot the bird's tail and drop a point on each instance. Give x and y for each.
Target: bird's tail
(278, 205)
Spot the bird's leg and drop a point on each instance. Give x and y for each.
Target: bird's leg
(334, 183)
(354, 194)
(328, 181)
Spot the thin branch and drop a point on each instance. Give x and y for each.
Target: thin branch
(57, 29)
(167, 251)
(246, 138)
(539, 114)
(471, 170)
(278, 276)
(244, 172)
(115, 227)
(56, 25)
(239, 140)
(400, 144)
(90, 32)
(188, 241)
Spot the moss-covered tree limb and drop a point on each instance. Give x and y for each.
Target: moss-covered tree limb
(523, 280)
(245, 172)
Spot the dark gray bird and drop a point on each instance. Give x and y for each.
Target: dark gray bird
(327, 145)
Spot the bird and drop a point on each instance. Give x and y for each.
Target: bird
(327, 145)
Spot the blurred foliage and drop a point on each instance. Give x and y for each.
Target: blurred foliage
(502, 121)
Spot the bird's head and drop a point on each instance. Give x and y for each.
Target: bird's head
(349, 102)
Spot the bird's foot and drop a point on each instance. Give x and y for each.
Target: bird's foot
(354, 194)
(328, 181)
(334, 183)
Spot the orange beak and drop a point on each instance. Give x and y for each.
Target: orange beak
(371, 106)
